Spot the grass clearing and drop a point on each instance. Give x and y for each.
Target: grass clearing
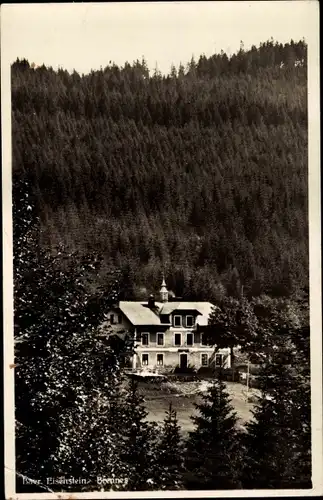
(184, 395)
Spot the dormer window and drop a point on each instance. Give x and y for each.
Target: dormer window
(177, 320)
(189, 321)
(164, 318)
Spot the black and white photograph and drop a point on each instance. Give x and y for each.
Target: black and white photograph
(162, 249)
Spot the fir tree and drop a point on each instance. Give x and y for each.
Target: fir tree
(277, 443)
(138, 443)
(212, 456)
(170, 453)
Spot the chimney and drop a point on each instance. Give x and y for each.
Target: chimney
(151, 301)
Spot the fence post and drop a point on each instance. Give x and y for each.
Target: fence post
(248, 378)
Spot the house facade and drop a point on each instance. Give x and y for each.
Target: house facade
(168, 333)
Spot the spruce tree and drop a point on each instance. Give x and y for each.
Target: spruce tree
(212, 455)
(170, 453)
(278, 443)
(138, 443)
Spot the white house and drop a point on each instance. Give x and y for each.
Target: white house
(168, 333)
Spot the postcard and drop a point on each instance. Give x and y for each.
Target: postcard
(162, 249)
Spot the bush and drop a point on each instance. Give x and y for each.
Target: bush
(254, 369)
(254, 381)
(183, 377)
(252, 399)
(155, 381)
(206, 371)
(169, 387)
(227, 374)
(189, 369)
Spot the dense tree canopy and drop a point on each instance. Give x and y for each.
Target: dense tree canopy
(59, 359)
(202, 172)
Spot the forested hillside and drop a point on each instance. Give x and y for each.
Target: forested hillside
(202, 172)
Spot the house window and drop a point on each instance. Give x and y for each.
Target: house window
(119, 318)
(218, 359)
(160, 339)
(112, 319)
(178, 339)
(177, 320)
(144, 359)
(205, 359)
(202, 340)
(189, 321)
(189, 339)
(145, 339)
(160, 359)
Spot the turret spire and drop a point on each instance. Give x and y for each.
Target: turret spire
(163, 291)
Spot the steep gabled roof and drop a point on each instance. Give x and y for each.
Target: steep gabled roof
(138, 313)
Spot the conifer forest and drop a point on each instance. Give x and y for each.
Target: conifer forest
(124, 174)
(201, 173)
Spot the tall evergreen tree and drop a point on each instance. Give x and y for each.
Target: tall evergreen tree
(212, 457)
(138, 443)
(170, 453)
(278, 443)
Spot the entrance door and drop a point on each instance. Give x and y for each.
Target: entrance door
(183, 361)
